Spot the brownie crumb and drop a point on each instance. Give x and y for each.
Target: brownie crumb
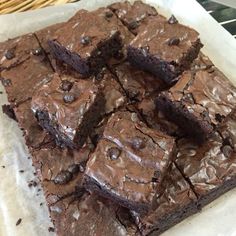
(18, 221)
(41, 204)
(32, 183)
(1, 92)
(21, 171)
(51, 229)
(3, 167)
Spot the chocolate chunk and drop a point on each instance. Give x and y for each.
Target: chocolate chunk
(138, 143)
(173, 41)
(114, 153)
(69, 98)
(172, 20)
(74, 169)
(133, 25)
(37, 51)
(108, 14)
(66, 85)
(18, 221)
(10, 54)
(63, 177)
(227, 150)
(85, 40)
(219, 117)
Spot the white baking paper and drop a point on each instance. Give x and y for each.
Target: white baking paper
(17, 200)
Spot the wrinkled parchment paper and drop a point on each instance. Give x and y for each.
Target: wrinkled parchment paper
(17, 200)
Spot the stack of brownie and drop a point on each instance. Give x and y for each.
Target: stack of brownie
(130, 127)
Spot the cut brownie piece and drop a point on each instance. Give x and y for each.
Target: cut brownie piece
(175, 203)
(69, 108)
(211, 168)
(29, 72)
(129, 162)
(164, 49)
(132, 15)
(137, 84)
(91, 215)
(60, 170)
(91, 40)
(198, 102)
(155, 118)
(17, 50)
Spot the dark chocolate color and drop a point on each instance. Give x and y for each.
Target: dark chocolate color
(164, 49)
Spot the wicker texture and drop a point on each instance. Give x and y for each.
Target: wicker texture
(10, 6)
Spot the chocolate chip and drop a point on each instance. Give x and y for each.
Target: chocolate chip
(66, 85)
(172, 20)
(113, 153)
(69, 98)
(74, 168)
(85, 40)
(108, 14)
(5, 82)
(138, 143)
(37, 51)
(133, 25)
(145, 50)
(63, 177)
(10, 54)
(18, 221)
(51, 229)
(219, 117)
(173, 41)
(227, 150)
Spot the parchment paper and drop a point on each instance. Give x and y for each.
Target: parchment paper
(17, 200)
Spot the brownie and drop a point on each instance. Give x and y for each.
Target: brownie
(129, 162)
(164, 49)
(198, 102)
(29, 72)
(69, 109)
(132, 15)
(210, 167)
(15, 51)
(91, 215)
(176, 202)
(60, 170)
(137, 84)
(91, 40)
(155, 119)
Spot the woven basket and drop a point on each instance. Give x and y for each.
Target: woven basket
(10, 6)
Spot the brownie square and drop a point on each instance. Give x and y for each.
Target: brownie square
(137, 84)
(129, 162)
(176, 202)
(198, 102)
(69, 109)
(91, 40)
(60, 170)
(211, 168)
(91, 215)
(17, 50)
(132, 15)
(164, 48)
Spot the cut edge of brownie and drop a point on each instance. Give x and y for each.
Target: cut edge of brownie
(198, 130)
(169, 220)
(94, 63)
(92, 185)
(168, 71)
